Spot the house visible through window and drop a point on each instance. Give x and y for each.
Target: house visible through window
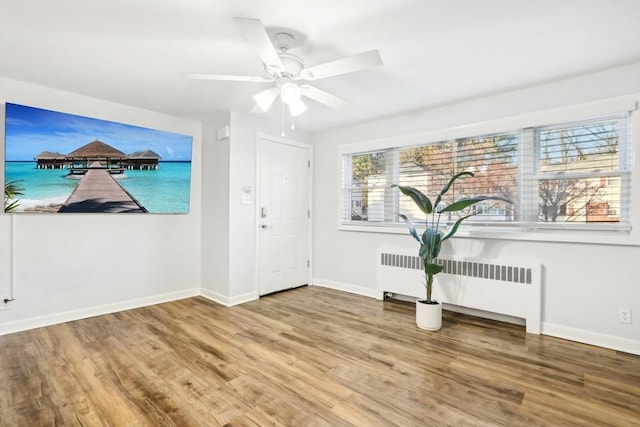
(580, 166)
(573, 173)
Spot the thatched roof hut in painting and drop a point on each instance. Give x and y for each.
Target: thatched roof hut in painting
(51, 160)
(147, 159)
(97, 151)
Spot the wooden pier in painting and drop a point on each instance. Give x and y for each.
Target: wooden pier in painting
(82, 171)
(99, 192)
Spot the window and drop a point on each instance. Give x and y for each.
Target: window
(573, 173)
(492, 159)
(368, 185)
(580, 172)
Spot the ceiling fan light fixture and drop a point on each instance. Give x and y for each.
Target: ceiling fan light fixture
(290, 93)
(297, 108)
(265, 98)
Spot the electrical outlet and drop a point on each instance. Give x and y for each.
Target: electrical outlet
(624, 315)
(5, 305)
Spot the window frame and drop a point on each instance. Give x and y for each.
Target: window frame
(529, 229)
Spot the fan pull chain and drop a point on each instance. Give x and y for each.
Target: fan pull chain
(282, 121)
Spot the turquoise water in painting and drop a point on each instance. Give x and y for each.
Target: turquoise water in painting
(165, 190)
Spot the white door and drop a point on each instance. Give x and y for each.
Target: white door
(283, 215)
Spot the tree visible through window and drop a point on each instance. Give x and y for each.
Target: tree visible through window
(579, 173)
(570, 173)
(492, 159)
(367, 185)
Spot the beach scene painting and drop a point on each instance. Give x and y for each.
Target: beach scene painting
(63, 163)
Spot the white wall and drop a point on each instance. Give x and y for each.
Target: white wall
(72, 266)
(5, 253)
(580, 298)
(230, 267)
(215, 209)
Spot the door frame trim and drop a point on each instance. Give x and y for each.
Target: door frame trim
(309, 148)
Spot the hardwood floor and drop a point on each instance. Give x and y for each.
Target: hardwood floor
(307, 357)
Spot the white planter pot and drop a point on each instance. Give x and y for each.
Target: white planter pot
(428, 316)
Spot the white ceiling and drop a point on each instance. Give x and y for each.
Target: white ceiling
(434, 52)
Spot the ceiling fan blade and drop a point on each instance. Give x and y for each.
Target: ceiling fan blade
(349, 64)
(255, 34)
(323, 97)
(265, 98)
(227, 77)
(256, 109)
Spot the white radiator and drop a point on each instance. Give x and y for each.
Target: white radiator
(505, 286)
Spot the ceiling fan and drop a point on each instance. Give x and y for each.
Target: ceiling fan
(286, 69)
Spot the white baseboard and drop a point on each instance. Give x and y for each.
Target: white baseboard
(346, 287)
(593, 338)
(241, 299)
(228, 301)
(83, 313)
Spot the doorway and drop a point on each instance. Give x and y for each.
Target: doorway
(283, 215)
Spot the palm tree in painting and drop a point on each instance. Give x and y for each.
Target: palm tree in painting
(11, 190)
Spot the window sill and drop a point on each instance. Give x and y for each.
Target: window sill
(617, 236)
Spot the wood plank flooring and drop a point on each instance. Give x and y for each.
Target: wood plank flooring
(307, 357)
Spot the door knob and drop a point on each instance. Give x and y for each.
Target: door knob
(266, 227)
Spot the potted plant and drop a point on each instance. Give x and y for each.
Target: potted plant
(428, 311)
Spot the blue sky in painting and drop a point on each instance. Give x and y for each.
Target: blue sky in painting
(30, 131)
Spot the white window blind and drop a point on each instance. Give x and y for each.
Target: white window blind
(365, 185)
(492, 159)
(572, 173)
(582, 172)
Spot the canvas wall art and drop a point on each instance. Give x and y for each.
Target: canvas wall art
(63, 163)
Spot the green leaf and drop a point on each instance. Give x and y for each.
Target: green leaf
(12, 206)
(433, 269)
(449, 184)
(462, 204)
(465, 203)
(431, 244)
(418, 198)
(453, 229)
(412, 229)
